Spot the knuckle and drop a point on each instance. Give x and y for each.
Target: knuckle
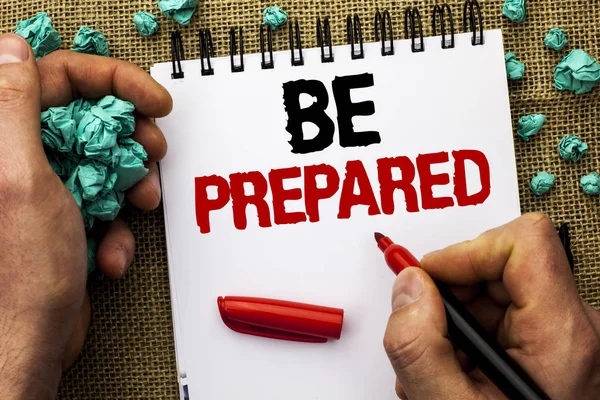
(15, 90)
(537, 221)
(22, 181)
(403, 353)
(478, 254)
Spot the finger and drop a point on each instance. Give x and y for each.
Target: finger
(463, 360)
(19, 102)
(67, 75)
(593, 315)
(151, 138)
(116, 250)
(416, 344)
(487, 312)
(498, 293)
(79, 334)
(399, 391)
(145, 195)
(525, 254)
(465, 294)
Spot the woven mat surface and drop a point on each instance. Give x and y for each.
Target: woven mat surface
(130, 353)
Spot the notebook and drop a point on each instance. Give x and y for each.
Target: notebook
(278, 174)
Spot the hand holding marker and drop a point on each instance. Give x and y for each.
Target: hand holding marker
(468, 334)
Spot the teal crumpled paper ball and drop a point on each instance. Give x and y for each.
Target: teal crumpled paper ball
(555, 39)
(572, 148)
(590, 183)
(529, 125)
(120, 110)
(179, 10)
(130, 168)
(58, 129)
(90, 41)
(541, 183)
(40, 34)
(515, 10)
(88, 144)
(578, 72)
(145, 23)
(274, 17)
(514, 69)
(97, 136)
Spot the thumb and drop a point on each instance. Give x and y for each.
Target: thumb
(19, 100)
(416, 344)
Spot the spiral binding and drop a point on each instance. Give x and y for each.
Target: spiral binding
(381, 26)
(412, 16)
(264, 64)
(437, 10)
(323, 41)
(353, 35)
(176, 55)
(232, 50)
(413, 30)
(206, 51)
(300, 61)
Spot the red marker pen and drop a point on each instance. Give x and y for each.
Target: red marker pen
(469, 335)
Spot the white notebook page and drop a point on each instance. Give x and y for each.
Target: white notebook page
(429, 102)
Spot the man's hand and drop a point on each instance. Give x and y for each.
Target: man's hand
(44, 312)
(516, 280)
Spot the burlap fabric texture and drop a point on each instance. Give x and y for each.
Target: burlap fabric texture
(129, 352)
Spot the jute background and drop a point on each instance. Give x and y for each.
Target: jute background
(129, 352)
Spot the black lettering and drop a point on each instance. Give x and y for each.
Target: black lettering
(347, 109)
(315, 114)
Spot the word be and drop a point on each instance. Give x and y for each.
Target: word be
(232, 189)
(315, 113)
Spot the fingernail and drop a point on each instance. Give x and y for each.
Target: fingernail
(431, 253)
(155, 182)
(407, 288)
(122, 255)
(13, 49)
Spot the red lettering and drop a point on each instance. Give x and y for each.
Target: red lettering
(355, 172)
(460, 178)
(428, 180)
(204, 205)
(387, 185)
(240, 200)
(312, 193)
(280, 195)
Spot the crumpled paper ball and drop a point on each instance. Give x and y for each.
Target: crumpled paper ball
(555, 39)
(145, 23)
(514, 68)
(515, 10)
(40, 34)
(63, 164)
(179, 10)
(90, 41)
(120, 110)
(97, 136)
(130, 168)
(274, 17)
(590, 183)
(58, 129)
(87, 180)
(529, 125)
(88, 144)
(541, 183)
(578, 72)
(572, 148)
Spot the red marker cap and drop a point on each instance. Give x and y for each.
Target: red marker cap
(279, 319)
